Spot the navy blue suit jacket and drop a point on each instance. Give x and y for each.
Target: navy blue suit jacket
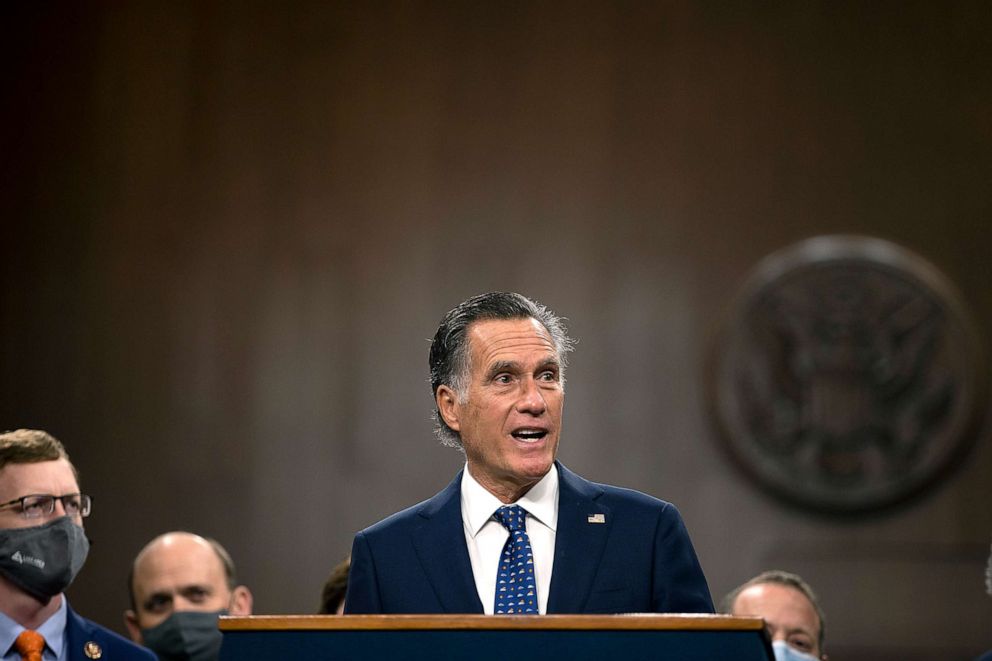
(639, 561)
(82, 635)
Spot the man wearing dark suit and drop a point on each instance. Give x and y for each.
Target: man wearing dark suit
(497, 373)
(42, 547)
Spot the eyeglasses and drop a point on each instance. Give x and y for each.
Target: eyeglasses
(38, 505)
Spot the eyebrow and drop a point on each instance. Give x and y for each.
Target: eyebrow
(501, 366)
(512, 366)
(181, 590)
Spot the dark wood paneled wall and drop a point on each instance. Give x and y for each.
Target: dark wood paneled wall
(229, 228)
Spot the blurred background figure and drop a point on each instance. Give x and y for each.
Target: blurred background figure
(335, 588)
(180, 583)
(988, 589)
(791, 611)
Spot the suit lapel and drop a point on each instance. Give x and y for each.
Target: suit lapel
(579, 542)
(80, 639)
(441, 549)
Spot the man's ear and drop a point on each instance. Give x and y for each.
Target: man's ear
(133, 628)
(241, 601)
(447, 404)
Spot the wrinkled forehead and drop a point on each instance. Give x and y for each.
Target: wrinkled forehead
(54, 476)
(493, 340)
(174, 564)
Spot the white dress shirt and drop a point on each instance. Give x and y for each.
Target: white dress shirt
(485, 536)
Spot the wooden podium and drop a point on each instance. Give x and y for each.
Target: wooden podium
(632, 637)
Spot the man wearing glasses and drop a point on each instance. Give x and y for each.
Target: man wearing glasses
(42, 548)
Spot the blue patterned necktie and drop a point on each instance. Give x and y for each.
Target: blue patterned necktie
(516, 589)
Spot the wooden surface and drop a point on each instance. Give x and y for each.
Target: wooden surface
(487, 622)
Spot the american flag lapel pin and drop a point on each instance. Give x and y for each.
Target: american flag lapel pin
(596, 518)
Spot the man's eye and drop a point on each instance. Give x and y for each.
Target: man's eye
(196, 595)
(158, 604)
(801, 644)
(503, 378)
(33, 508)
(548, 376)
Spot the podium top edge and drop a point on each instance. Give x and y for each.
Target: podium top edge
(646, 621)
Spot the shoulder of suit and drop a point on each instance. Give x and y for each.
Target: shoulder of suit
(448, 499)
(613, 495)
(633, 497)
(98, 642)
(399, 519)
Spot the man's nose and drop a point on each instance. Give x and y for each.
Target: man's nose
(531, 398)
(58, 509)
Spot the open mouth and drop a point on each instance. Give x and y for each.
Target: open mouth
(529, 434)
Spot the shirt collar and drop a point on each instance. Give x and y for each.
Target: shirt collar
(53, 629)
(478, 505)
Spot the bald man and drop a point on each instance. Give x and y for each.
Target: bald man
(792, 614)
(180, 583)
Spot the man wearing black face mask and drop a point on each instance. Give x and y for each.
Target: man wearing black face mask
(42, 548)
(180, 583)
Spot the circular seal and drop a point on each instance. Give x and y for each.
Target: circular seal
(849, 375)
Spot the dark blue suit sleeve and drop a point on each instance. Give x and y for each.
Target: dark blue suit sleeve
(362, 597)
(679, 585)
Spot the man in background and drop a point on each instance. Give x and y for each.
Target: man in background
(791, 612)
(332, 595)
(42, 548)
(988, 589)
(180, 584)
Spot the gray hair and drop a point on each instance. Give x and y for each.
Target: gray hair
(788, 579)
(449, 355)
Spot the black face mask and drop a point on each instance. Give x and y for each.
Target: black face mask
(186, 636)
(43, 560)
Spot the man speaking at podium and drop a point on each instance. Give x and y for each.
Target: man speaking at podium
(516, 532)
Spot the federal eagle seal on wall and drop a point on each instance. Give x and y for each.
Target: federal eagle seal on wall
(849, 375)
